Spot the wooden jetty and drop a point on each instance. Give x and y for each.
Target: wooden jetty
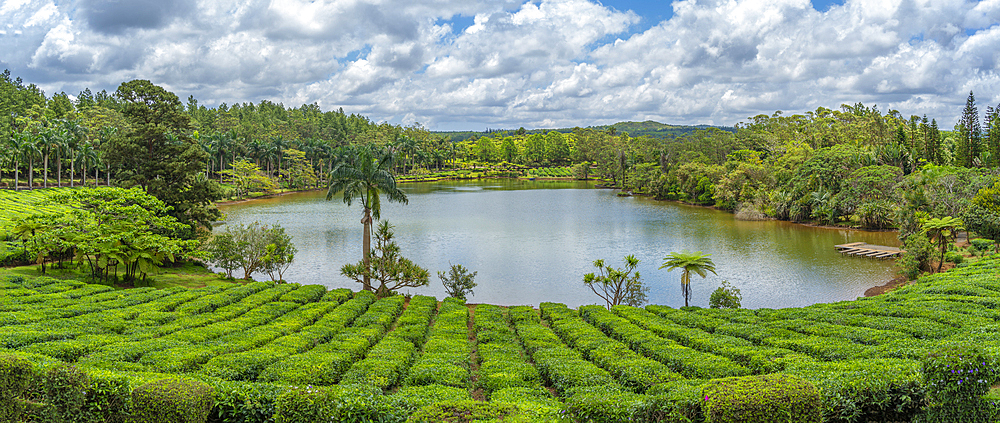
(862, 249)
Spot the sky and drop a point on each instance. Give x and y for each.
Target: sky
(476, 64)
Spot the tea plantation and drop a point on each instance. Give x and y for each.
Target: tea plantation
(286, 353)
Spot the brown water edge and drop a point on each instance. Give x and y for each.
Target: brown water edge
(264, 197)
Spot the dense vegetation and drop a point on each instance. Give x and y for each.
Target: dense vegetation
(304, 353)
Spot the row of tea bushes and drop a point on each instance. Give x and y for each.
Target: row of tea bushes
(445, 356)
(386, 363)
(690, 363)
(630, 368)
(502, 362)
(562, 367)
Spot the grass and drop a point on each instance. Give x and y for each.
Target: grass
(187, 275)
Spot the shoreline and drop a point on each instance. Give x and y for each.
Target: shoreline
(277, 194)
(876, 290)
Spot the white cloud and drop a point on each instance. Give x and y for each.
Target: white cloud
(533, 63)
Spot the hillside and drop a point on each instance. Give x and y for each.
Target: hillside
(634, 129)
(385, 359)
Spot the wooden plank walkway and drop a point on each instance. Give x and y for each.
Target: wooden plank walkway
(862, 249)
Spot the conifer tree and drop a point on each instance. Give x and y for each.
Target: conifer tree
(970, 134)
(993, 135)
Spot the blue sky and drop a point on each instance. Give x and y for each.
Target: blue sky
(472, 64)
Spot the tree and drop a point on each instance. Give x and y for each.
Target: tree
(298, 172)
(725, 296)
(254, 248)
(970, 134)
(366, 175)
(943, 231)
(983, 214)
(386, 266)
(280, 253)
(223, 252)
(114, 226)
(618, 286)
(993, 135)
(689, 262)
(157, 153)
(458, 282)
(246, 177)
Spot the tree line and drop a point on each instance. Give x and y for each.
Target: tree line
(852, 166)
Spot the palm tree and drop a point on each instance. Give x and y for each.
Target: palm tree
(16, 144)
(31, 150)
(77, 135)
(104, 135)
(87, 158)
(944, 231)
(366, 174)
(696, 262)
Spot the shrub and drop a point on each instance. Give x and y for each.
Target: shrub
(65, 393)
(16, 376)
(606, 403)
(172, 400)
(871, 390)
(463, 411)
(244, 402)
(957, 378)
(777, 398)
(412, 398)
(341, 403)
(954, 257)
(725, 296)
(674, 402)
(458, 282)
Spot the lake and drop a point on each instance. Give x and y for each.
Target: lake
(532, 241)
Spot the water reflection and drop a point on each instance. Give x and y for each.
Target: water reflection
(532, 241)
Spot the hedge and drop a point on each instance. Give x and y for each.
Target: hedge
(773, 398)
(172, 401)
(341, 403)
(445, 356)
(958, 376)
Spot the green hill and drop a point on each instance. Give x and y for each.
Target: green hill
(303, 353)
(635, 129)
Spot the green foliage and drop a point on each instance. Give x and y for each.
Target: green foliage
(388, 267)
(254, 248)
(342, 403)
(957, 378)
(766, 398)
(618, 285)
(603, 404)
(983, 214)
(458, 282)
(17, 375)
(247, 177)
(725, 296)
(944, 231)
(172, 400)
(65, 393)
(445, 356)
(689, 262)
(917, 257)
(157, 154)
(459, 411)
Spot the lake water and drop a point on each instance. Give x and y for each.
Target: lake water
(532, 241)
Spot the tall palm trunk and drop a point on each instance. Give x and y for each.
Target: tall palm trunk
(59, 168)
(367, 245)
(46, 182)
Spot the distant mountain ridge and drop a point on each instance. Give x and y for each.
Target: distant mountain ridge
(635, 129)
